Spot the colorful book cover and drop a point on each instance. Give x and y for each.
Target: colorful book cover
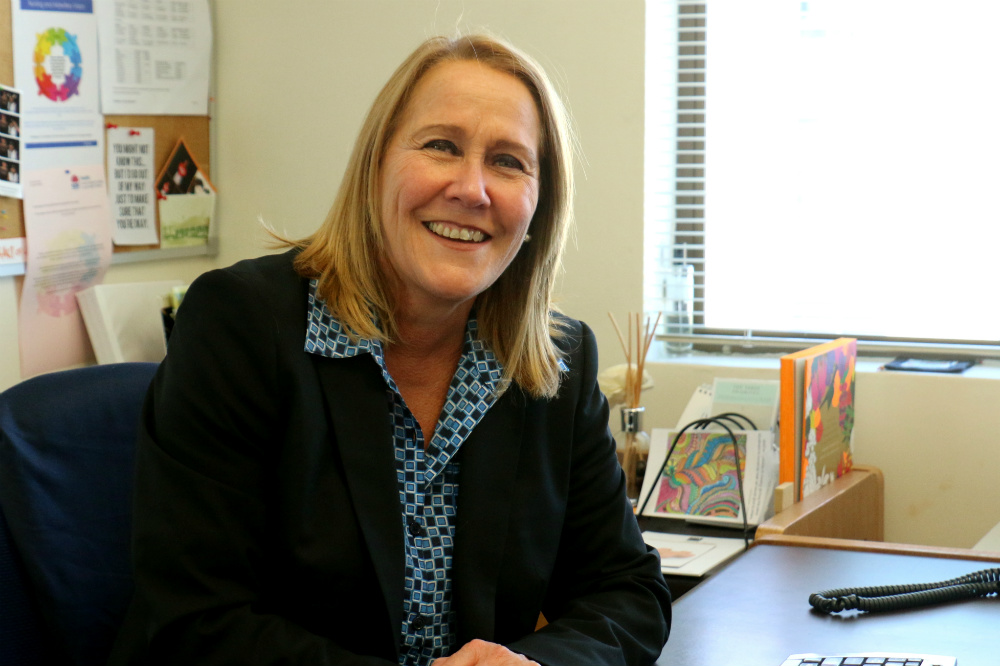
(828, 416)
(699, 480)
(824, 412)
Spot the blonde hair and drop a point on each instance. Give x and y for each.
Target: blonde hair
(515, 314)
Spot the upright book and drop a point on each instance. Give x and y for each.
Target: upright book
(817, 414)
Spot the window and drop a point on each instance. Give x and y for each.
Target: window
(826, 166)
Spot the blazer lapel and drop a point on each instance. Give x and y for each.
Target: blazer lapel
(489, 459)
(356, 401)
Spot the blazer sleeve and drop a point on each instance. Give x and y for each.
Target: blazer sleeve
(201, 525)
(607, 601)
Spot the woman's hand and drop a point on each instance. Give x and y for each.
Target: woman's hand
(483, 653)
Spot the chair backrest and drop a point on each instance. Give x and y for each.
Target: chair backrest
(67, 449)
(22, 639)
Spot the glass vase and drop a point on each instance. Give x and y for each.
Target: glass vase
(678, 306)
(632, 444)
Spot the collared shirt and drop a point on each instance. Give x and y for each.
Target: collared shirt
(427, 478)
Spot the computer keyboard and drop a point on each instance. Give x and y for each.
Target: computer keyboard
(870, 659)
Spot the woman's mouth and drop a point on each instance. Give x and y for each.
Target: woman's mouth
(456, 233)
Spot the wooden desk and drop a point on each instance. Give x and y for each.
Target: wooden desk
(755, 612)
(852, 507)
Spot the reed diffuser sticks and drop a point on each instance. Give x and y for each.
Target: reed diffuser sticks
(632, 442)
(643, 340)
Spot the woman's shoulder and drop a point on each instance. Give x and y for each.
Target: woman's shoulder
(274, 270)
(267, 267)
(569, 334)
(269, 281)
(246, 305)
(577, 347)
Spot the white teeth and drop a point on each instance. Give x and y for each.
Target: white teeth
(455, 233)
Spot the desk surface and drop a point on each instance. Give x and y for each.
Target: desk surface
(755, 612)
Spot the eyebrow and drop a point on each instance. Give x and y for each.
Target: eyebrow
(502, 144)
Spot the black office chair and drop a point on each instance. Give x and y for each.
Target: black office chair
(67, 448)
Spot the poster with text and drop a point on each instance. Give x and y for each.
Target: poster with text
(130, 185)
(66, 219)
(56, 68)
(155, 56)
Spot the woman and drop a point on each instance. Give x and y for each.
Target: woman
(382, 447)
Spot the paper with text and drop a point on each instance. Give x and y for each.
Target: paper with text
(66, 217)
(130, 185)
(155, 56)
(756, 399)
(56, 68)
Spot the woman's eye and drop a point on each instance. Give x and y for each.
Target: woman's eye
(508, 162)
(442, 145)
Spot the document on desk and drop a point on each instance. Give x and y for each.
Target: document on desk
(686, 555)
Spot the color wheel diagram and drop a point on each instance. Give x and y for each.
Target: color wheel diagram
(58, 65)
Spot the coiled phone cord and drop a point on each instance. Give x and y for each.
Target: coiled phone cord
(897, 597)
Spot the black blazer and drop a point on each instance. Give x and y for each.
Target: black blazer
(267, 521)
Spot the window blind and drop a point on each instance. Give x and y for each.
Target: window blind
(675, 150)
(868, 154)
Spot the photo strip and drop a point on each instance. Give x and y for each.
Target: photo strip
(10, 142)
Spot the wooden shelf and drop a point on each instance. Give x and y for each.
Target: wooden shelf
(852, 507)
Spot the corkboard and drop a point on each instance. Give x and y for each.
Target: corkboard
(168, 130)
(11, 210)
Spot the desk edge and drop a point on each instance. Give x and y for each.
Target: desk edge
(876, 547)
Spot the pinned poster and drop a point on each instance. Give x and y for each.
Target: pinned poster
(69, 249)
(56, 68)
(130, 186)
(186, 201)
(155, 56)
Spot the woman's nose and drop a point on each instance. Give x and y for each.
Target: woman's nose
(469, 184)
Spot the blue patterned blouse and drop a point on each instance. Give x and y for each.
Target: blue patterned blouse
(427, 478)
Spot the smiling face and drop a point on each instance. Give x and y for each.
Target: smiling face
(459, 184)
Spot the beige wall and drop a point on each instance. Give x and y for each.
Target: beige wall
(294, 78)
